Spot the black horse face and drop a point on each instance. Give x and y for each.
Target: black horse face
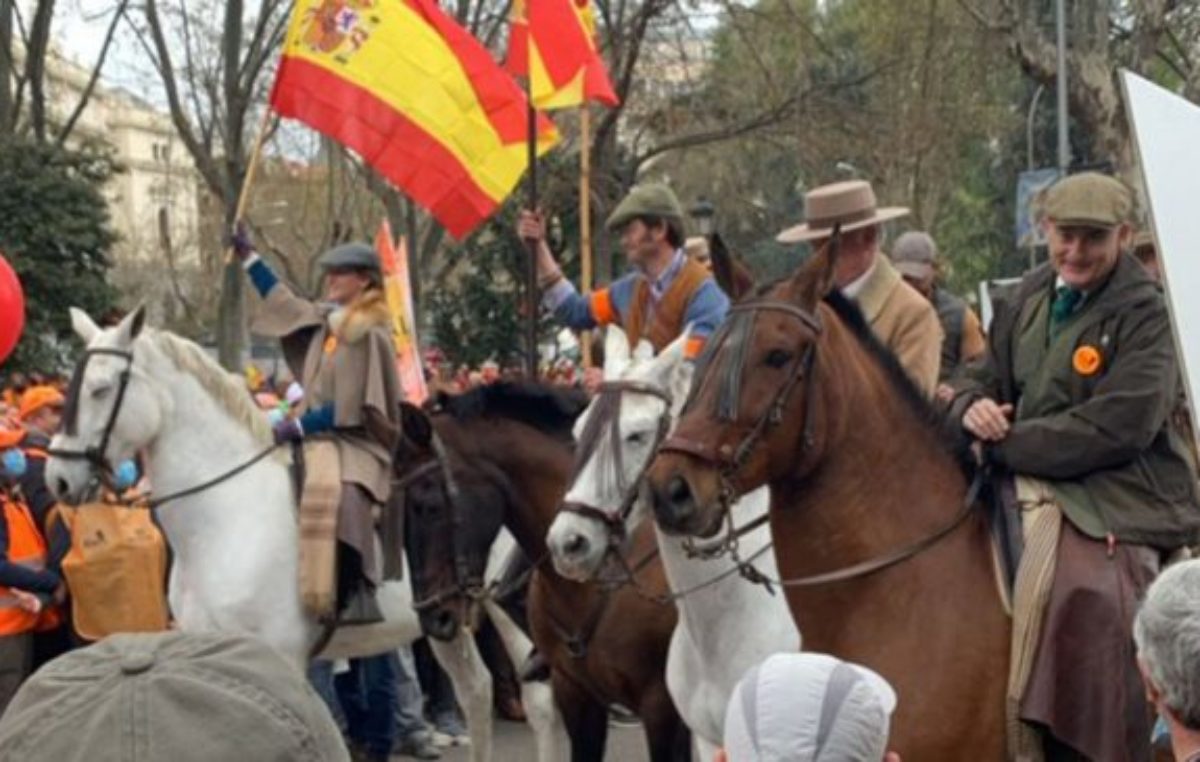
(452, 517)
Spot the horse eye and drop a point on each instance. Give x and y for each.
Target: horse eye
(636, 438)
(100, 392)
(778, 358)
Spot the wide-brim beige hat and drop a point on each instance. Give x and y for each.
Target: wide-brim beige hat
(850, 203)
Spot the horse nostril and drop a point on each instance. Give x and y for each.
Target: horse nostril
(576, 545)
(678, 491)
(444, 622)
(62, 487)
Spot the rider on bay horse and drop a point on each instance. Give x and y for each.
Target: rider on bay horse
(1075, 400)
(341, 351)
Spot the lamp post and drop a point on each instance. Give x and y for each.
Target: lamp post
(703, 212)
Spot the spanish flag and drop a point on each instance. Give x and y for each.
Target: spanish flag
(416, 96)
(553, 42)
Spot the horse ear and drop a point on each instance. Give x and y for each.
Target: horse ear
(815, 278)
(672, 369)
(734, 278)
(616, 351)
(83, 325)
(131, 325)
(415, 425)
(644, 351)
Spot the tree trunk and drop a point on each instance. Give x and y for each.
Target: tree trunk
(7, 119)
(231, 308)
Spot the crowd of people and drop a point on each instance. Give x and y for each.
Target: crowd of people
(1073, 390)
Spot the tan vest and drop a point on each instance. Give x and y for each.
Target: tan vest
(666, 322)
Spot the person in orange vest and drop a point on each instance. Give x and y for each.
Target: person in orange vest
(27, 587)
(41, 414)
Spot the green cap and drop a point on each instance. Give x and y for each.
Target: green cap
(649, 200)
(1089, 199)
(175, 696)
(358, 255)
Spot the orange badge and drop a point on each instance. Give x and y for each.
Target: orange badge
(330, 344)
(1087, 360)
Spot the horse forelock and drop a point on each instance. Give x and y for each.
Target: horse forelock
(227, 389)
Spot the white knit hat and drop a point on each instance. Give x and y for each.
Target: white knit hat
(805, 707)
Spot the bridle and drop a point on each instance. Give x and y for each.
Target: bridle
(467, 584)
(728, 460)
(96, 455)
(606, 417)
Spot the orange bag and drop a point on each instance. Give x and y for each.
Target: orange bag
(116, 570)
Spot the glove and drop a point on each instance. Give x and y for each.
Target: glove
(240, 242)
(288, 430)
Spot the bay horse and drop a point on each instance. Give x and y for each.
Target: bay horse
(501, 455)
(226, 502)
(886, 563)
(726, 624)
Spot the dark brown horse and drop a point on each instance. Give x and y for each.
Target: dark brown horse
(868, 506)
(501, 455)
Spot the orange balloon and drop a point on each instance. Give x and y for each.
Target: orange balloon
(1087, 360)
(12, 309)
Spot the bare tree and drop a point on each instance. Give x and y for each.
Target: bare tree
(214, 60)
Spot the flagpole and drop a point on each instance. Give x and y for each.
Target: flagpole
(251, 169)
(585, 218)
(531, 246)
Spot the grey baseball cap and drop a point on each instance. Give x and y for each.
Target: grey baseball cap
(808, 707)
(914, 254)
(172, 696)
(355, 254)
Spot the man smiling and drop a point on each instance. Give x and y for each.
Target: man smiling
(1075, 401)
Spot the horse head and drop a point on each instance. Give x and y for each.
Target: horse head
(453, 513)
(113, 408)
(750, 406)
(616, 438)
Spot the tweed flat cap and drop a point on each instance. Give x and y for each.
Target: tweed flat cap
(649, 200)
(172, 696)
(1088, 199)
(356, 255)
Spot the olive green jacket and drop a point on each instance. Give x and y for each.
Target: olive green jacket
(1100, 434)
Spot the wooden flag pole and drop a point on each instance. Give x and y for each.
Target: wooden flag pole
(248, 180)
(585, 218)
(531, 245)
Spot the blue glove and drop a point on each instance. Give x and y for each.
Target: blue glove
(125, 476)
(289, 430)
(240, 241)
(13, 463)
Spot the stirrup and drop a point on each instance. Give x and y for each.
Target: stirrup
(361, 608)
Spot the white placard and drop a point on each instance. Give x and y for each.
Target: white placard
(1166, 130)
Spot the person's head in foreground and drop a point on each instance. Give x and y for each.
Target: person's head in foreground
(1087, 227)
(172, 696)
(1167, 633)
(805, 707)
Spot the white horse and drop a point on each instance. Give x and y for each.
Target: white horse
(235, 542)
(726, 624)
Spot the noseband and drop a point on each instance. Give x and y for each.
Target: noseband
(607, 417)
(95, 455)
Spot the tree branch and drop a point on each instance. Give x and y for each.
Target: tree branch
(86, 95)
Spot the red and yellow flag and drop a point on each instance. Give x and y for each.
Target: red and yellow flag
(416, 96)
(397, 287)
(553, 42)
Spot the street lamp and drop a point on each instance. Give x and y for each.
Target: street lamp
(703, 212)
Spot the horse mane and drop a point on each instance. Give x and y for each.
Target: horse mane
(549, 409)
(926, 412)
(226, 388)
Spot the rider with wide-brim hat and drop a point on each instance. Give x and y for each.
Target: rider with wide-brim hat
(901, 318)
(341, 351)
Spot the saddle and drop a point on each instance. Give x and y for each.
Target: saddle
(1003, 511)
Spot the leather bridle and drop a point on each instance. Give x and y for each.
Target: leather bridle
(467, 584)
(608, 421)
(95, 455)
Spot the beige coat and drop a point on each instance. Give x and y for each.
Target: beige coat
(904, 321)
(344, 356)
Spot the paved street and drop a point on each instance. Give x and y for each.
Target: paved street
(514, 743)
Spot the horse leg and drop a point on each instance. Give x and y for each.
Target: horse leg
(473, 687)
(667, 737)
(537, 698)
(585, 718)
